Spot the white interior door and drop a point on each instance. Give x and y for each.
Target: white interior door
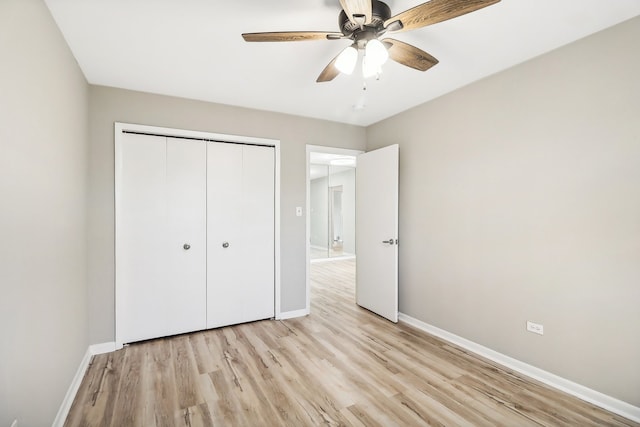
(160, 207)
(377, 231)
(240, 233)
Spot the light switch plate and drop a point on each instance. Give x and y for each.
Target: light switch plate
(299, 211)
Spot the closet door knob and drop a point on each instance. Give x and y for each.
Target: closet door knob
(186, 246)
(225, 245)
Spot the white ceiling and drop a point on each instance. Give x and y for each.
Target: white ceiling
(194, 49)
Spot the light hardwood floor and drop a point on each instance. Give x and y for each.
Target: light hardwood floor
(341, 365)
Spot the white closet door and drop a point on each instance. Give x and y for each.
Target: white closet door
(140, 213)
(258, 216)
(160, 193)
(186, 228)
(240, 233)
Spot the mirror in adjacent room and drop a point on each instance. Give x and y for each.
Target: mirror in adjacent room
(332, 205)
(335, 221)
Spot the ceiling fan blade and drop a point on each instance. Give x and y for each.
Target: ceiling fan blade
(357, 7)
(409, 55)
(433, 12)
(330, 72)
(290, 36)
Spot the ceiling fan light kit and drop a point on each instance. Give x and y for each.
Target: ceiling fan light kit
(346, 61)
(375, 55)
(365, 21)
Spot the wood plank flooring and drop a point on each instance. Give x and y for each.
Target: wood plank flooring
(341, 365)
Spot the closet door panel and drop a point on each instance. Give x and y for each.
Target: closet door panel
(186, 238)
(240, 279)
(141, 200)
(160, 206)
(225, 246)
(258, 217)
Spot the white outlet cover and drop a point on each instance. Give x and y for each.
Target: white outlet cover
(536, 328)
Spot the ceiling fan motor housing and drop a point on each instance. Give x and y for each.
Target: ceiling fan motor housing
(380, 12)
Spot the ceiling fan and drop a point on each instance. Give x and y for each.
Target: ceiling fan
(364, 22)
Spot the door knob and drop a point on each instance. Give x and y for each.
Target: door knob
(225, 245)
(186, 246)
(390, 241)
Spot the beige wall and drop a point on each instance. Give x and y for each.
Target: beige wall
(520, 200)
(43, 165)
(108, 105)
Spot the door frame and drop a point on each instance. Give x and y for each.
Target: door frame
(316, 149)
(120, 127)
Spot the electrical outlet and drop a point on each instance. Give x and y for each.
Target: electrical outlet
(536, 328)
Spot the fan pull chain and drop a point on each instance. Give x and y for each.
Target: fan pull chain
(364, 81)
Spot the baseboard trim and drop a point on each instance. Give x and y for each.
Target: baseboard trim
(293, 314)
(589, 395)
(335, 258)
(73, 389)
(106, 347)
(92, 350)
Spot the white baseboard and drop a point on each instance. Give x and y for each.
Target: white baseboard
(589, 395)
(292, 314)
(77, 380)
(73, 389)
(335, 258)
(105, 347)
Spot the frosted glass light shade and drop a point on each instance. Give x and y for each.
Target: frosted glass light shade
(376, 53)
(347, 59)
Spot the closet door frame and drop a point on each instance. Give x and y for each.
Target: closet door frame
(120, 128)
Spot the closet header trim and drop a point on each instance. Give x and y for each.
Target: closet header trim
(191, 138)
(123, 128)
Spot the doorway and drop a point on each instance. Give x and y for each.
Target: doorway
(331, 194)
